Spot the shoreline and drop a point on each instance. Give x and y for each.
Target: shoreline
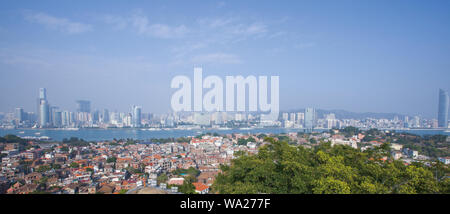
(97, 134)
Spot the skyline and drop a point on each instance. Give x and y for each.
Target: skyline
(84, 106)
(328, 55)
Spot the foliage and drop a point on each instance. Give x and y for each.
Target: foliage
(433, 146)
(12, 139)
(64, 149)
(162, 178)
(349, 131)
(43, 168)
(74, 165)
(74, 141)
(191, 171)
(281, 168)
(133, 170)
(242, 141)
(111, 160)
(187, 187)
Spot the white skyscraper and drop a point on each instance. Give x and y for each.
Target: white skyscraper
(137, 116)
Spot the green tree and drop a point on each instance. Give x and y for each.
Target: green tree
(74, 165)
(282, 168)
(162, 178)
(111, 160)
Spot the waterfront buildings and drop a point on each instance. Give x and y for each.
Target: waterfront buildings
(308, 119)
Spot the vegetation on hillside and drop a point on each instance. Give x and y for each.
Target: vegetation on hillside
(281, 168)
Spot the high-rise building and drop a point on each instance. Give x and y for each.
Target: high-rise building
(42, 93)
(105, 116)
(43, 113)
(51, 115)
(84, 106)
(57, 118)
(127, 120)
(416, 122)
(19, 115)
(72, 118)
(300, 117)
(43, 108)
(65, 118)
(292, 117)
(137, 116)
(310, 118)
(96, 116)
(443, 109)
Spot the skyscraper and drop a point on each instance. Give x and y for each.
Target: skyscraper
(443, 109)
(42, 93)
(84, 106)
(105, 116)
(96, 116)
(43, 113)
(310, 118)
(65, 118)
(51, 115)
(300, 117)
(44, 116)
(137, 111)
(19, 115)
(57, 118)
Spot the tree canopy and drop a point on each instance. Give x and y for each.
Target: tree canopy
(282, 168)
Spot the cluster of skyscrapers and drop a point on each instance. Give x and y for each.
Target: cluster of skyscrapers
(306, 119)
(52, 117)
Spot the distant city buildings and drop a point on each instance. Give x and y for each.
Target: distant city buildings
(83, 106)
(19, 114)
(105, 116)
(49, 116)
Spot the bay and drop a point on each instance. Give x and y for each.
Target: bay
(145, 134)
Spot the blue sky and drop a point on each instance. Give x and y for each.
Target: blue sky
(363, 56)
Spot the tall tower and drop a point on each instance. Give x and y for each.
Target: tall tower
(443, 109)
(44, 116)
(43, 113)
(137, 112)
(42, 93)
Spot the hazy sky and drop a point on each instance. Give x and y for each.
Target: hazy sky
(377, 56)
